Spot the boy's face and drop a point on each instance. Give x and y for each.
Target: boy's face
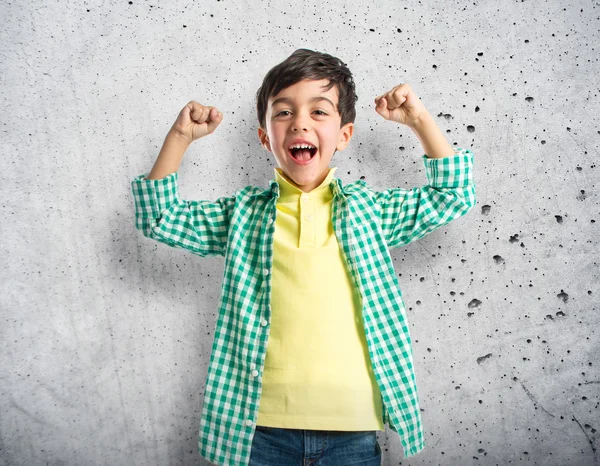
(305, 111)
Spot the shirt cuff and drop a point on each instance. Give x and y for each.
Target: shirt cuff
(455, 171)
(408, 452)
(153, 196)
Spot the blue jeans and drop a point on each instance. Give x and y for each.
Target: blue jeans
(275, 446)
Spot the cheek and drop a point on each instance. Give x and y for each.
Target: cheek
(330, 134)
(277, 133)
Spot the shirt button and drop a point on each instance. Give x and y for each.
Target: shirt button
(248, 422)
(306, 198)
(269, 221)
(308, 217)
(263, 322)
(266, 271)
(254, 373)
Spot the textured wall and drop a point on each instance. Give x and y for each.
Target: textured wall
(106, 335)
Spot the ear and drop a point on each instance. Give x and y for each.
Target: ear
(346, 133)
(264, 139)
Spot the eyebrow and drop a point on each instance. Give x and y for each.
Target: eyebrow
(314, 99)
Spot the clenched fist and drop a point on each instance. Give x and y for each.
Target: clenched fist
(401, 105)
(196, 120)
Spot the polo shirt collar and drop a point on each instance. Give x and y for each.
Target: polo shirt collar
(288, 190)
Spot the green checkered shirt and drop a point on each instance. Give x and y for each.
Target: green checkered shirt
(367, 223)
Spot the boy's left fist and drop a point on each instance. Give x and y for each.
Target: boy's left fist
(401, 105)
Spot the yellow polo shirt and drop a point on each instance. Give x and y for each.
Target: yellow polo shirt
(317, 372)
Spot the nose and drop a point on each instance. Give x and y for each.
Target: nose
(300, 122)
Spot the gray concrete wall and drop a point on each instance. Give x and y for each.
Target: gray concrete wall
(106, 335)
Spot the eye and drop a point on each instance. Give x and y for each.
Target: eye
(287, 111)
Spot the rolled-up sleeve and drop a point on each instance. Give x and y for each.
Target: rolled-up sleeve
(409, 214)
(201, 227)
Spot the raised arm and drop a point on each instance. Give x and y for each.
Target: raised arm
(193, 122)
(200, 227)
(409, 214)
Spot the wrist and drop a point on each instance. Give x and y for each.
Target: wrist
(179, 139)
(420, 122)
(432, 139)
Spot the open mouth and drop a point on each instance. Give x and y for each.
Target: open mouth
(303, 154)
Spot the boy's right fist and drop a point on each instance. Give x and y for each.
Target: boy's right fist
(196, 121)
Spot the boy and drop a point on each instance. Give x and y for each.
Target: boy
(312, 352)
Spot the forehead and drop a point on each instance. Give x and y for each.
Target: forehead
(309, 90)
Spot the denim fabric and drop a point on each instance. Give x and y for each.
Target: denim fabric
(275, 446)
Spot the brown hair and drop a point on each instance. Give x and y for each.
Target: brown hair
(308, 64)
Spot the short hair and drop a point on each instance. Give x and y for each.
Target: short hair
(308, 64)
